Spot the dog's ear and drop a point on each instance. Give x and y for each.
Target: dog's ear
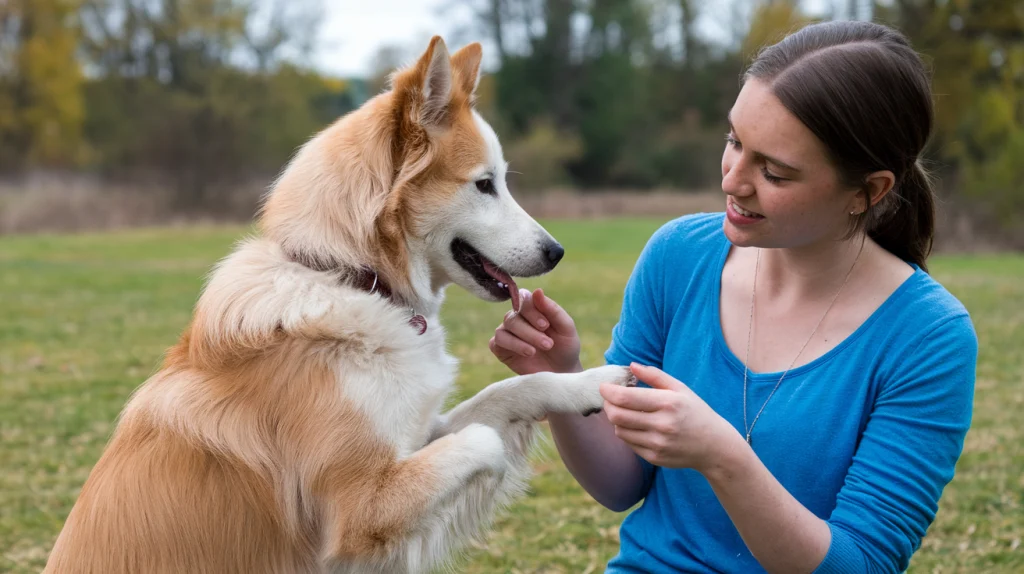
(466, 68)
(435, 71)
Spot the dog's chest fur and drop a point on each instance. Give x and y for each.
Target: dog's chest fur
(403, 389)
(380, 363)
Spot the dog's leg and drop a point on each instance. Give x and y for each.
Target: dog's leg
(530, 397)
(513, 405)
(440, 497)
(397, 524)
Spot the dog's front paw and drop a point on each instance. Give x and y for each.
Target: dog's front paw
(593, 378)
(612, 374)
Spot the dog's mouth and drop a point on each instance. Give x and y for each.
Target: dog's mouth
(486, 273)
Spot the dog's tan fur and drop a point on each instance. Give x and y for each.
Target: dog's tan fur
(296, 425)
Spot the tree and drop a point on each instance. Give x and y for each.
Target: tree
(201, 92)
(770, 23)
(40, 98)
(976, 51)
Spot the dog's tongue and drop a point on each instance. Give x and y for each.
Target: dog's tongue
(499, 275)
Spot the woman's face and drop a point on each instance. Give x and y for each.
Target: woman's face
(782, 190)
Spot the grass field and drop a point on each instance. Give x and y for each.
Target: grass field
(85, 319)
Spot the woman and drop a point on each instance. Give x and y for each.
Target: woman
(808, 385)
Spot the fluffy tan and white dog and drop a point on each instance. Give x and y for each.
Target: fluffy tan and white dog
(297, 425)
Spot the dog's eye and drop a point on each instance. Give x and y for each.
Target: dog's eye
(486, 186)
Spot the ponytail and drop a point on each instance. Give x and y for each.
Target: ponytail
(904, 221)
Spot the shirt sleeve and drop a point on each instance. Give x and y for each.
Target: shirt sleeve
(640, 333)
(907, 454)
(639, 336)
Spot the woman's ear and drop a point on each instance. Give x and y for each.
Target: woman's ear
(879, 184)
(876, 186)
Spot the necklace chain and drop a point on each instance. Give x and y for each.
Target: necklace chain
(750, 329)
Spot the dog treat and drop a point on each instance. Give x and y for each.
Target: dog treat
(504, 279)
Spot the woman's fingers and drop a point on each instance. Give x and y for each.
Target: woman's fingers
(626, 418)
(528, 310)
(634, 398)
(516, 325)
(501, 353)
(561, 322)
(636, 439)
(506, 340)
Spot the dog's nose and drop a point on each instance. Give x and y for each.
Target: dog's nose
(554, 252)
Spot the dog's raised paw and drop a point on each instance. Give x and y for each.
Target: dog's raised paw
(614, 374)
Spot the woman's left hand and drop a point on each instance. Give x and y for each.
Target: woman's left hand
(668, 424)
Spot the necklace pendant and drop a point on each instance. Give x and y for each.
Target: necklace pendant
(750, 441)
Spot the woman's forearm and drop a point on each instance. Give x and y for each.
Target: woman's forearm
(603, 465)
(779, 531)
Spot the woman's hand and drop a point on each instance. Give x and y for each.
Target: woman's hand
(668, 424)
(541, 337)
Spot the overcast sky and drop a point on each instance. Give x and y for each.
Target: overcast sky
(353, 30)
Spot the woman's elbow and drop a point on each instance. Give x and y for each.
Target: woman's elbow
(621, 497)
(619, 504)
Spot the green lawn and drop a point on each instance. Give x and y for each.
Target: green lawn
(86, 318)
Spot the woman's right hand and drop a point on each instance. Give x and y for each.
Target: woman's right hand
(541, 337)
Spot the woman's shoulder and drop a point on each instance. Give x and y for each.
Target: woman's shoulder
(930, 303)
(925, 314)
(689, 236)
(693, 227)
(683, 254)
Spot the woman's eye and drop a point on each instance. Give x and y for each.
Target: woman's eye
(732, 141)
(769, 177)
(486, 186)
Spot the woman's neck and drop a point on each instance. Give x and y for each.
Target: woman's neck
(811, 272)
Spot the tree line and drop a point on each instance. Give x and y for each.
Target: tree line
(588, 94)
(197, 93)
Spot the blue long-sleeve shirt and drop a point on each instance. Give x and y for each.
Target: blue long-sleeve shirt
(866, 436)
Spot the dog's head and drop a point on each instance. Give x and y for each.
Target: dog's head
(413, 185)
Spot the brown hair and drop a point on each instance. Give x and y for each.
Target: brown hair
(865, 93)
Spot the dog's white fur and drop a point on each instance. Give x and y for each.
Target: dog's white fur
(297, 426)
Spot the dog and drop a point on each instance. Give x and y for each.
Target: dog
(297, 425)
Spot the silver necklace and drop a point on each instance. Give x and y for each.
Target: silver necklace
(750, 329)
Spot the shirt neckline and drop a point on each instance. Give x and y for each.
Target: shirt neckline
(715, 296)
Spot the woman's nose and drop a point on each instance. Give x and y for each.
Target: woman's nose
(734, 180)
